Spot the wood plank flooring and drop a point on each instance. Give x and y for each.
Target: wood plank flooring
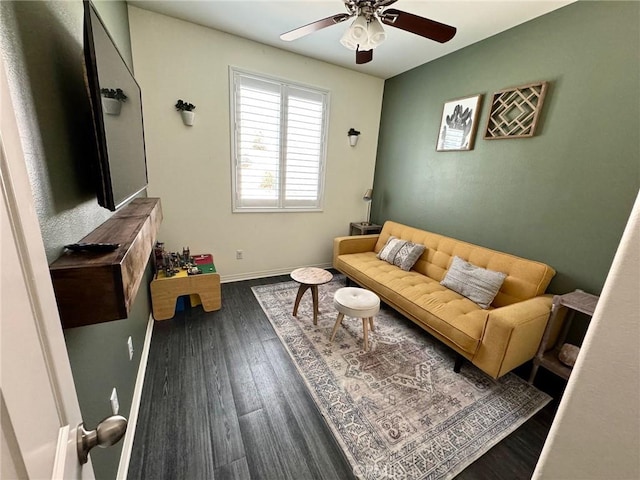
(223, 400)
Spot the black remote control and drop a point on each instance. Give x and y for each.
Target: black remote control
(92, 247)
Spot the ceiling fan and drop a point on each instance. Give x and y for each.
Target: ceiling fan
(366, 32)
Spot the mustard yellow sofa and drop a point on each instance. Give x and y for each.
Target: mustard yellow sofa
(497, 339)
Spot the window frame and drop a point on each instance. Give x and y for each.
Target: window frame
(281, 203)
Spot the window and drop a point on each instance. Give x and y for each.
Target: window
(278, 146)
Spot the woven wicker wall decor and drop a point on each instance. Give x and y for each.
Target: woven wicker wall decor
(515, 111)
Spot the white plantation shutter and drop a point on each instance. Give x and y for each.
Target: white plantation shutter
(279, 132)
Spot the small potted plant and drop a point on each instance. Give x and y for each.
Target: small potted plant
(112, 100)
(186, 110)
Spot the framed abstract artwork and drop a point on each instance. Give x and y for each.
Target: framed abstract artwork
(515, 111)
(458, 124)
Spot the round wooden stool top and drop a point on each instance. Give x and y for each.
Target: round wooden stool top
(311, 276)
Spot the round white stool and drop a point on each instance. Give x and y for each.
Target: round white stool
(358, 303)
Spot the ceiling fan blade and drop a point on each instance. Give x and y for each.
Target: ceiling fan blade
(364, 56)
(314, 27)
(419, 25)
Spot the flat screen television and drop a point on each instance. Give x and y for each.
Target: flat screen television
(121, 161)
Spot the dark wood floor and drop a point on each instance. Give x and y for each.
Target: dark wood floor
(222, 400)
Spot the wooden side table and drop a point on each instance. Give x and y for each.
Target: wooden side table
(577, 301)
(363, 228)
(310, 278)
(166, 290)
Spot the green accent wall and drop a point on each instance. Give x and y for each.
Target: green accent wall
(562, 197)
(42, 47)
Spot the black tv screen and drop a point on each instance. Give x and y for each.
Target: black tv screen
(121, 161)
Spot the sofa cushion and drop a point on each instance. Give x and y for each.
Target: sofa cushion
(477, 284)
(451, 315)
(525, 278)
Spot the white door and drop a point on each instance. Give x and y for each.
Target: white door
(38, 403)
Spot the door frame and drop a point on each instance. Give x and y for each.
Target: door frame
(15, 188)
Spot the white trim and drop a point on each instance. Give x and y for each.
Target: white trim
(61, 453)
(276, 209)
(266, 273)
(127, 445)
(284, 87)
(17, 197)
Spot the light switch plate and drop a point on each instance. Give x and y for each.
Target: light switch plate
(130, 345)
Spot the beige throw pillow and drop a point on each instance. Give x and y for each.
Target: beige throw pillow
(390, 249)
(477, 284)
(401, 253)
(408, 255)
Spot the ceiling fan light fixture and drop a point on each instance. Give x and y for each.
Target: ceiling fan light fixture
(375, 33)
(359, 29)
(363, 34)
(348, 41)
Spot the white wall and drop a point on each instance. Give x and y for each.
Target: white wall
(114, 16)
(596, 433)
(190, 167)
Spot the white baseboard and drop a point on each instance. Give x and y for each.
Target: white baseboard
(127, 445)
(265, 273)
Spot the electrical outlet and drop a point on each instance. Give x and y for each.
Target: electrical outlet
(130, 345)
(115, 405)
(239, 254)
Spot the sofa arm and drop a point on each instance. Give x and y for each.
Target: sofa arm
(353, 244)
(512, 335)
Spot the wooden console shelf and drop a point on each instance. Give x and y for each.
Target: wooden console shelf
(99, 287)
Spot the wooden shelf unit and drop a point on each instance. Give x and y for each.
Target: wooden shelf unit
(577, 301)
(96, 287)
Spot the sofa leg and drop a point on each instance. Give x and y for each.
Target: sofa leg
(458, 364)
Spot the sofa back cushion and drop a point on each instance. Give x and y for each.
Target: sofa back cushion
(525, 278)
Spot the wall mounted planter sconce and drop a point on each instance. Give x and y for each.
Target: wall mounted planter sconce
(188, 117)
(111, 106)
(353, 136)
(112, 100)
(186, 111)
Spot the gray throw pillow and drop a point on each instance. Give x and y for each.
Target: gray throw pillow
(477, 284)
(390, 249)
(401, 253)
(408, 255)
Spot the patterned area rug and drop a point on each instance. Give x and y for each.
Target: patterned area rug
(398, 411)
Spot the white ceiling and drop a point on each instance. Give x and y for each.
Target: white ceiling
(264, 20)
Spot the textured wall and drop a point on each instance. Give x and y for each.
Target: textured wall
(42, 45)
(44, 54)
(562, 197)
